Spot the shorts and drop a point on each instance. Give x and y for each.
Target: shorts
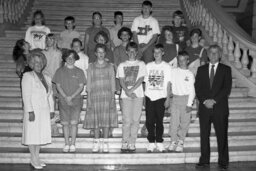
(70, 115)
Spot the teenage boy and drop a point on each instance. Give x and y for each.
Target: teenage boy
(118, 21)
(157, 87)
(145, 30)
(182, 83)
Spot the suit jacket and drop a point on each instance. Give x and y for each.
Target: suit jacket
(221, 88)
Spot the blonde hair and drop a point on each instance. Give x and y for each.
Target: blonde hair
(33, 55)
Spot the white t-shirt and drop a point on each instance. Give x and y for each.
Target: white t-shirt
(182, 81)
(145, 28)
(83, 63)
(158, 76)
(131, 71)
(35, 36)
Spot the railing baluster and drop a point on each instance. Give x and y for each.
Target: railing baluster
(245, 61)
(230, 49)
(237, 55)
(220, 36)
(225, 43)
(253, 67)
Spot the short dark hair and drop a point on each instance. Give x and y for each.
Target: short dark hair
(132, 45)
(169, 28)
(67, 52)
(38, 12)
(215, 46)
(147, 3)
(76, 40)
(118, 13)
(124, 29)
(100, 45)
(195, 31)
(70, 18)
(178, 13)
(183, 53)
(50, 35)
(159, 46)
(96, 13)
(18, 50)
(103, 34)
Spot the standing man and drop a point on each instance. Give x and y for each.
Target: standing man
(145, 30)
(213, 85)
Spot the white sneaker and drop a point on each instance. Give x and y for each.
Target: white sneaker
(105, 147)
(131, 148)
(96, 146)
(72, 148)
(172, 146)
(124, 147)
(151, 147)
(180, 145)
(160, 147)
(66, 149)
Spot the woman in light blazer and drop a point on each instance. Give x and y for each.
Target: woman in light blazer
(38, 108)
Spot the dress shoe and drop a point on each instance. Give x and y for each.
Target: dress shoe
(36, 166)
(202, 165)
(223, 167)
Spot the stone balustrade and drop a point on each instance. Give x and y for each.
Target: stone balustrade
(12, 10)
(238, 48)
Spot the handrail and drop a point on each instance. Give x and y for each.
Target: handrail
(239, 49)
(12, 10)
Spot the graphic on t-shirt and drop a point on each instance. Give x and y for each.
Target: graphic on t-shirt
(144, 30)
(181, 35)
(156, 79)
(38, 35)
(131, 74)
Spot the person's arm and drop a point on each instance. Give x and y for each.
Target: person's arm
(88, 86)
(27, 89)
(191, 93)
(137, 84)
(135, 37)
(152, 41)
(168, 95)
(227, 85)
(78, 91)
(86, 41)
(199, 86)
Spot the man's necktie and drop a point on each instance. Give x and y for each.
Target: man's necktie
(212, 75)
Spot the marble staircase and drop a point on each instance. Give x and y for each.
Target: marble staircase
(242, 132)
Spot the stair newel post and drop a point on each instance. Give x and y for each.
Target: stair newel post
(220, 36)
(225, 43)
(230, 49)
(200, 14)
(203, 17)
(253, 66)
(245, 61)
(215, 31)
(237, 55)
(211, 26)
(207, 18)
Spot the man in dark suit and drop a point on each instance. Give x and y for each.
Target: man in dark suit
(213, 85)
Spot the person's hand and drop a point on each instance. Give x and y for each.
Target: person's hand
(31, 116)
(209, 103)
(128, 93)
(167, 103)
(188, 109)
(52, 114)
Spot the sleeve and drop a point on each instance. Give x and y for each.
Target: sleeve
(168, 73)
(28, 36)
(57, 76)
(48, 30)
(134, 27)
(142, 70)
(82, 79)
(199, 86)
(156, 29)
(191, 88)
(146, 73)
(120, 71)
(27, 88)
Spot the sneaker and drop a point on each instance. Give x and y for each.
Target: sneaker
(131, 148)
(105, 147)
(151, 147)
(72, 148)
(96, 146)
(160, 147)
(180, 145)
(124, 147)
(172, 146)
(66, 149)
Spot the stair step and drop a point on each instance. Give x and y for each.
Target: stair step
(10, 155)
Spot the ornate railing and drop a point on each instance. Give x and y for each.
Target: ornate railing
(239, 50)
(11, 10)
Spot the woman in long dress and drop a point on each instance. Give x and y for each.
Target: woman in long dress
(38, 108)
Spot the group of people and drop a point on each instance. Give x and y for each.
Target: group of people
(161, 70)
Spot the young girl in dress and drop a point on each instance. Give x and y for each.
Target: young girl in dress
(101, 109)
